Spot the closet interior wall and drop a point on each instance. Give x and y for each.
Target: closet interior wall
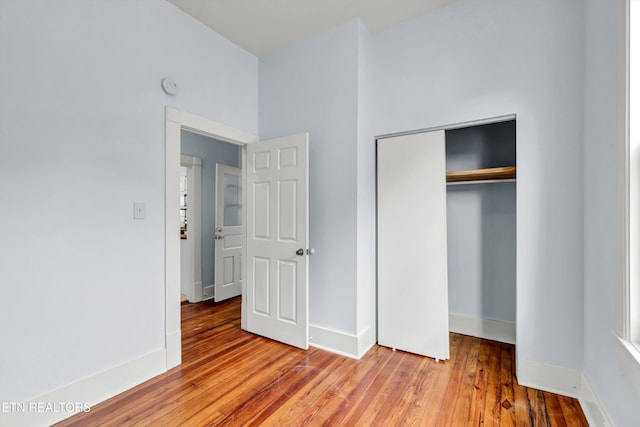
(481, 227)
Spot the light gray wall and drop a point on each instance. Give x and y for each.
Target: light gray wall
(481, 248)
(474, 60)
(601, 248)
(312, 87)
(211, 151)
(82, 138)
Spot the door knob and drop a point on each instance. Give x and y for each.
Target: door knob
(300, 252)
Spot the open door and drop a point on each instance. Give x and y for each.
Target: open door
(276, 300)
(413, 309)
(229, 235)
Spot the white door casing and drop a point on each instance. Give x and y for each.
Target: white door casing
(193, 244)
(277, 239)
(412, 244)
(229, 233)
(175, 121)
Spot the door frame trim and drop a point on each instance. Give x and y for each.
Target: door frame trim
(194, 237)
(176, 121)
(452, 126)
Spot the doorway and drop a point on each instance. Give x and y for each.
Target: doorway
(276, 283)
(175, 122)
(214, 154)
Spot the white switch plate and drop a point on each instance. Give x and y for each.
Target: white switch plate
(139, 210)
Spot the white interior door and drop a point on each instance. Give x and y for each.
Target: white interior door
(229, 235)
(413, 313)
(277, 303)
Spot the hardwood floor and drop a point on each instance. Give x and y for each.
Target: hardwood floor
(230, 377)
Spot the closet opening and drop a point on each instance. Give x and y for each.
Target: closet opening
(481, 230)
(447, 235)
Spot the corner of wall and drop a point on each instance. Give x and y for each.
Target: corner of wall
(353, 346)
(549, 378)
(592, 406)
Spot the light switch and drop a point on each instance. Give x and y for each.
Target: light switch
(139, 210)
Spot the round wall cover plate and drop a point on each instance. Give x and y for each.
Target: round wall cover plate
(169, 86)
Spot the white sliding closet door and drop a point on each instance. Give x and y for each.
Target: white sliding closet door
(413, 311)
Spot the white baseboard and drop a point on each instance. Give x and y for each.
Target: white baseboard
(550, 378)
(55, 406)
(173, 349)
(366, 340)
(207, 292)
(483, 328)
(197, 292)
(354, 346)
(592, 406)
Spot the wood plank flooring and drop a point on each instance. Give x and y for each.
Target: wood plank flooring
(230, 378)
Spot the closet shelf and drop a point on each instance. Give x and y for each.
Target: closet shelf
(503, 173)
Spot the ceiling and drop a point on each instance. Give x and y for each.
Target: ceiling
(262, 26)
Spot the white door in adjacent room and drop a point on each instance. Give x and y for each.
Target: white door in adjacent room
(229, 233)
